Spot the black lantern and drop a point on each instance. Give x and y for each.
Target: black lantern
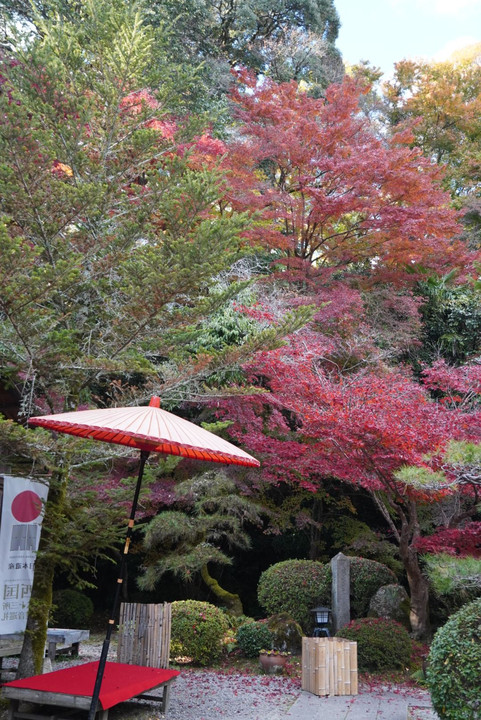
(322, 619)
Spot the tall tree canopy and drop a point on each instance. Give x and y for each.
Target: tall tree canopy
(284, 38)
(253, 32)
(333, 193)
(111, 240)
(441, 102)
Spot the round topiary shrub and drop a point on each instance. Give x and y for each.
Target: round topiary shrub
(367, 576)
(197, 631)
(295, 587)
(381, 644)
(453, 666)
(254, 637)
(72, 609)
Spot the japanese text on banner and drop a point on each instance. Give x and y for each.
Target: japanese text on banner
(21, 513)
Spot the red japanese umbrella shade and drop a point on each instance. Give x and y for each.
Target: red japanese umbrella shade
(149, 429)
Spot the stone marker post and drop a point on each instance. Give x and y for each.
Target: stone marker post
(341, 604)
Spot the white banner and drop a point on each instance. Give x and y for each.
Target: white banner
(21, 514)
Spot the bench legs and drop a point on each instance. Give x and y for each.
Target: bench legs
(165, 699)
(52, 649)
(74, 650)
(12, 708)
(14, 713)
(162, 700)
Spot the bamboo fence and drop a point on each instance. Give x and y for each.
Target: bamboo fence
(329, 666)
(144, 634)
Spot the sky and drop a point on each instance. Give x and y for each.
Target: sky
(386, 31)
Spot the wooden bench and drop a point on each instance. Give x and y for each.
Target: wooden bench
(72, 688)
(10, 645)
(69, 641)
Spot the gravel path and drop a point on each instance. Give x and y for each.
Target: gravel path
(203, 695)
(206, 696)
(199, 695)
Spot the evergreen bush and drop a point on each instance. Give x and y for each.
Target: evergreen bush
(197, 631)
(235, 621)
(72, 609)
(254, 637)
(382, 644)
(295, 587)
(367, 576)
(454, 662)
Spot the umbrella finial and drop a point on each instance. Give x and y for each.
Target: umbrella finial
(154, 401)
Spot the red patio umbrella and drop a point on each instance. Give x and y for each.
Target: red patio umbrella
(149, 429)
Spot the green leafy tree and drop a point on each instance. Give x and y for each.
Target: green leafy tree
(210, 519)
(111, 237)
(257, 34)
(287, 39)
(451, 320)
(454, 577)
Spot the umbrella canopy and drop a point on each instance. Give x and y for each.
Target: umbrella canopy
(147, 428)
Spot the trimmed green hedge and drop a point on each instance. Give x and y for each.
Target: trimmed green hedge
(296, 586)
(381, 644)
(254, 637)
(197, 631)
(72, 609)
(367, 576)
(454, 664)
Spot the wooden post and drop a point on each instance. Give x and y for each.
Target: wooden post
(320, 687)
(353, 652)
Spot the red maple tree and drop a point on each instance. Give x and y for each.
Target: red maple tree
(331, 192)
(313, 423)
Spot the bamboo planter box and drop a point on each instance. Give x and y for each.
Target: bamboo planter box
(329, 666)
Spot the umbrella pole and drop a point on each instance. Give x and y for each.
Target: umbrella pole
(144, 454)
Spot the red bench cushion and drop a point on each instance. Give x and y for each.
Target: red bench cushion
(120, 681)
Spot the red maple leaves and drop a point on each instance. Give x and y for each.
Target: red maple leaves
(329, 190)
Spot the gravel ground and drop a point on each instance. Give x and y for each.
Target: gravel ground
(201, 695)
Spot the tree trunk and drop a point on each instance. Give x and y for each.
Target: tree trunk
(231, 601)
(406, 534)
(33, 649)
(419, 592)
(315, 529)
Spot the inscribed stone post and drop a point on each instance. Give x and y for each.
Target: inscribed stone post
(341, 606)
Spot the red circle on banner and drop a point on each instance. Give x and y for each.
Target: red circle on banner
(26, 506)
